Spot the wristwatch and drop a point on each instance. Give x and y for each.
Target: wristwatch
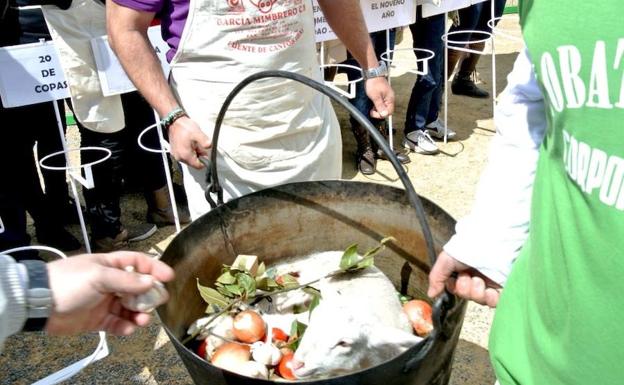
(39, 301)
(381, 71)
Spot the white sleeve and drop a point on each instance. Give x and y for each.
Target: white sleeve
(490, 237)
(12, 298)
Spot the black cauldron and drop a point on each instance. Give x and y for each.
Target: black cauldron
(298, 219)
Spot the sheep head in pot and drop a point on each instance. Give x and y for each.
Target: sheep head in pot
(344, 338)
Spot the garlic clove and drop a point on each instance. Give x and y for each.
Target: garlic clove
(253, 369)
(148, 301)
(266, 354)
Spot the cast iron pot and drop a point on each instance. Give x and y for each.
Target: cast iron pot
(298, 219)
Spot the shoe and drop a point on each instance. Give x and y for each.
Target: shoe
(436, 129)
(133, 233)
(160, 210)
(141, 232)
(465, 85)
(165, 217)
(366, 162)
(420, 142)
(107, 244)
(57, 237)
(401, 156)
(364, 155)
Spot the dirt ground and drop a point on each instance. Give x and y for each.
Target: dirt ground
(448, 178)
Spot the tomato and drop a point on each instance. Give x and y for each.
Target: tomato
(284, 369)
(419, 314)
(201, 350)
(279, 335)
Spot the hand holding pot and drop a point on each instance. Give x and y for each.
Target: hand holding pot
(86, 291)
(469, 283)
(188, 142)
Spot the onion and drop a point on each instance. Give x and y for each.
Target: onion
(419, 314)
(231, 356)
(249, 327)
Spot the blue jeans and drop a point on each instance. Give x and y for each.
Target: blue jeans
(361, 101)
(476, 18)
(424, 103)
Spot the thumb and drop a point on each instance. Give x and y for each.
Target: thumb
(442, 270)
(202, 144)
(203, 140)
(380, 110)
(112, 280)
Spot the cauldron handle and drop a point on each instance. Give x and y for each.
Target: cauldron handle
(212, 178)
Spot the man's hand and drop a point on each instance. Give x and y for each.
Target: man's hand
(86, 290)
(188, 142)
(469, 284)
(382, 96)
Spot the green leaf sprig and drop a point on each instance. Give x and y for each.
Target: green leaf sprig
(239, 284)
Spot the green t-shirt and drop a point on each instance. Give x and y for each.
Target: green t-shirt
(560, 319)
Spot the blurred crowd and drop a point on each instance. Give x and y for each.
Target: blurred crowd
(43, 193)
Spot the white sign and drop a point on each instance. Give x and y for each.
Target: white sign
(429, 9)
(379, 15)
(112, 75)
(31, 73)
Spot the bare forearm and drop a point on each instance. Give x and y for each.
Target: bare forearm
(128, 39)
(353, 33)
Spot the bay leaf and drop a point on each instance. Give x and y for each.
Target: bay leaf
(226, 278)
(349, 257)
(211, 296)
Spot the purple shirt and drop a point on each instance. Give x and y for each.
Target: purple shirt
(173, 15)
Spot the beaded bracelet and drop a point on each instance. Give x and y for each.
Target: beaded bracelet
(171, 117)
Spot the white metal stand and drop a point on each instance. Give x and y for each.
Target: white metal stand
(74, 173)
(390, 120)
(349, 84)
(163, 150)
(461, 46)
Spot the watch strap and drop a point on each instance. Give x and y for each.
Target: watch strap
(377, 72)
(39, 300)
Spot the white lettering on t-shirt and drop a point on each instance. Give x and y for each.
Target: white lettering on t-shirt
(578, 88)
(573, 85)
(599, 81)
(594, 171)
(619, 54)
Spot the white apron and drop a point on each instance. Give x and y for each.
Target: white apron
(276, 131)
(72, 31)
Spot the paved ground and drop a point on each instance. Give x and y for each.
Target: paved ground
(448, 179)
